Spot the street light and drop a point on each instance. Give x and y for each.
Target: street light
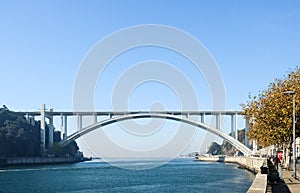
(294, 130)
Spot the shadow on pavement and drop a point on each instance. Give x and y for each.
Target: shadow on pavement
(279, 188)
(276, 181)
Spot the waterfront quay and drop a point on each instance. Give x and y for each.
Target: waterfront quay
(288, 182)
(261, 184)
(38, 160)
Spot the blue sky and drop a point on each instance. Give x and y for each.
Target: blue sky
(42, 44)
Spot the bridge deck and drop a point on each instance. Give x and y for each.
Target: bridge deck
(116, 113)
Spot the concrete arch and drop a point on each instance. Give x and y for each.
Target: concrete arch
(240, 146)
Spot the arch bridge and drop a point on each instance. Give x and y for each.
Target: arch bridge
(113, 117)
(161, 115)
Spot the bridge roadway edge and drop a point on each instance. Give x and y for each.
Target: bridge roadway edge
(253, 164)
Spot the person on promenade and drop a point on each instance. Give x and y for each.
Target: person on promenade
(275, 161)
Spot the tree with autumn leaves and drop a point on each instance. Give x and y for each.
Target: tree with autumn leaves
(270, 113)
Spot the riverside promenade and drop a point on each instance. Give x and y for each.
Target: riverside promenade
(260, 184)
(288, 185)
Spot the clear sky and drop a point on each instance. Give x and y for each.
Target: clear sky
(42, 44)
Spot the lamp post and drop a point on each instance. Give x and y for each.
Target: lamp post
(294, 129)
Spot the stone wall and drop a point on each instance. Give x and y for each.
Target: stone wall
(39, 160)
(250, 163)
(259, 184)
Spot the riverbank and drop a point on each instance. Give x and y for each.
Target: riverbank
(252, 164)
(39, 160)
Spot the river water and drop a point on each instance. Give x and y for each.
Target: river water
(180, 175)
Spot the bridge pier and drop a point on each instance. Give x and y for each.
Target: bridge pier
(202, 118)
(51, 130)
(79, 122)
(234, 132)
(236, 127)
(246, 131)
(43, 129)
(218, 121)
(30, 119)
(66, 127)
(94, 118)
(61, 124)
(27, 117)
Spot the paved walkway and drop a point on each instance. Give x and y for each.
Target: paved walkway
(288, 185)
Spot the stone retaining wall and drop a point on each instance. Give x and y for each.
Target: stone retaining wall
(259, 184)
(251, 163)
(39, 160)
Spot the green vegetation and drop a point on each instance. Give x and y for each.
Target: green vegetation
(18, 138)
(58, 151)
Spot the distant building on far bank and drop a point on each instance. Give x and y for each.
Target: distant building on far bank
(56, 136)
(271, 150)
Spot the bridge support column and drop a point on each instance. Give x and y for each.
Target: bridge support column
(234, 130)
(95, 118)
(79, 122)
(202, 119)
(246, 131)
(233, 125)
(27, 117)
(51, 130)
(236, 133)
(66, 127)
(218, 121)
(32, 120)
(61, 124)
(43, 131)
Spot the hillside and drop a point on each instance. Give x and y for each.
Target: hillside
(225, 148)
(19, 138)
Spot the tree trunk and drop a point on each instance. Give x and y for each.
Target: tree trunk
(286, 156)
